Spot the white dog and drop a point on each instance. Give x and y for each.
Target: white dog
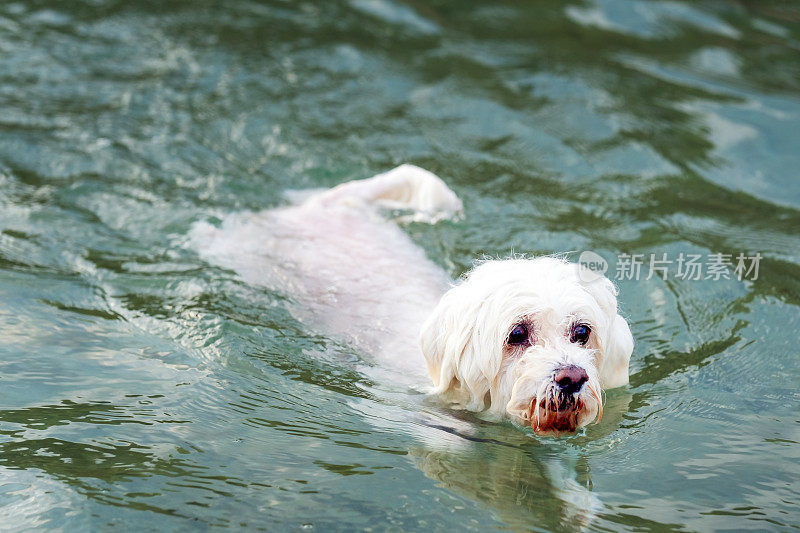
(534, 340)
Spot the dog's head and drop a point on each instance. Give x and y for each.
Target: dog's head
(533, 339)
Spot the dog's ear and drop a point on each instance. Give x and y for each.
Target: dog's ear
(617, 342)
(448, 340)
(617, 354)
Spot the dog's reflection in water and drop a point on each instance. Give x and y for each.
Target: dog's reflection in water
(527, 481)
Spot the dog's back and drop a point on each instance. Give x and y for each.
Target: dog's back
(349, 272)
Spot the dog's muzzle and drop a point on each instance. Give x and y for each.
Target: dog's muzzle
(562, 403)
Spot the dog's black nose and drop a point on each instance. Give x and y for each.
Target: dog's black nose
(571, 378)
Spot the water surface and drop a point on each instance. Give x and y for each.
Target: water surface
(141, 387)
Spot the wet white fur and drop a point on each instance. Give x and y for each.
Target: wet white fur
(350, 273)
(463, 340)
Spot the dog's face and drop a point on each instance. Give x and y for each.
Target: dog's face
(533, 339)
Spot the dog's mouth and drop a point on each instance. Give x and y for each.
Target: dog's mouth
(555, 413)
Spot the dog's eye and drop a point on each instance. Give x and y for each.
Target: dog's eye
(518, 335)
(580, 333)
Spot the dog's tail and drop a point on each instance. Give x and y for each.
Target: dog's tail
(406, 188)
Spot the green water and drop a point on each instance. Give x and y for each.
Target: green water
(142, 388)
